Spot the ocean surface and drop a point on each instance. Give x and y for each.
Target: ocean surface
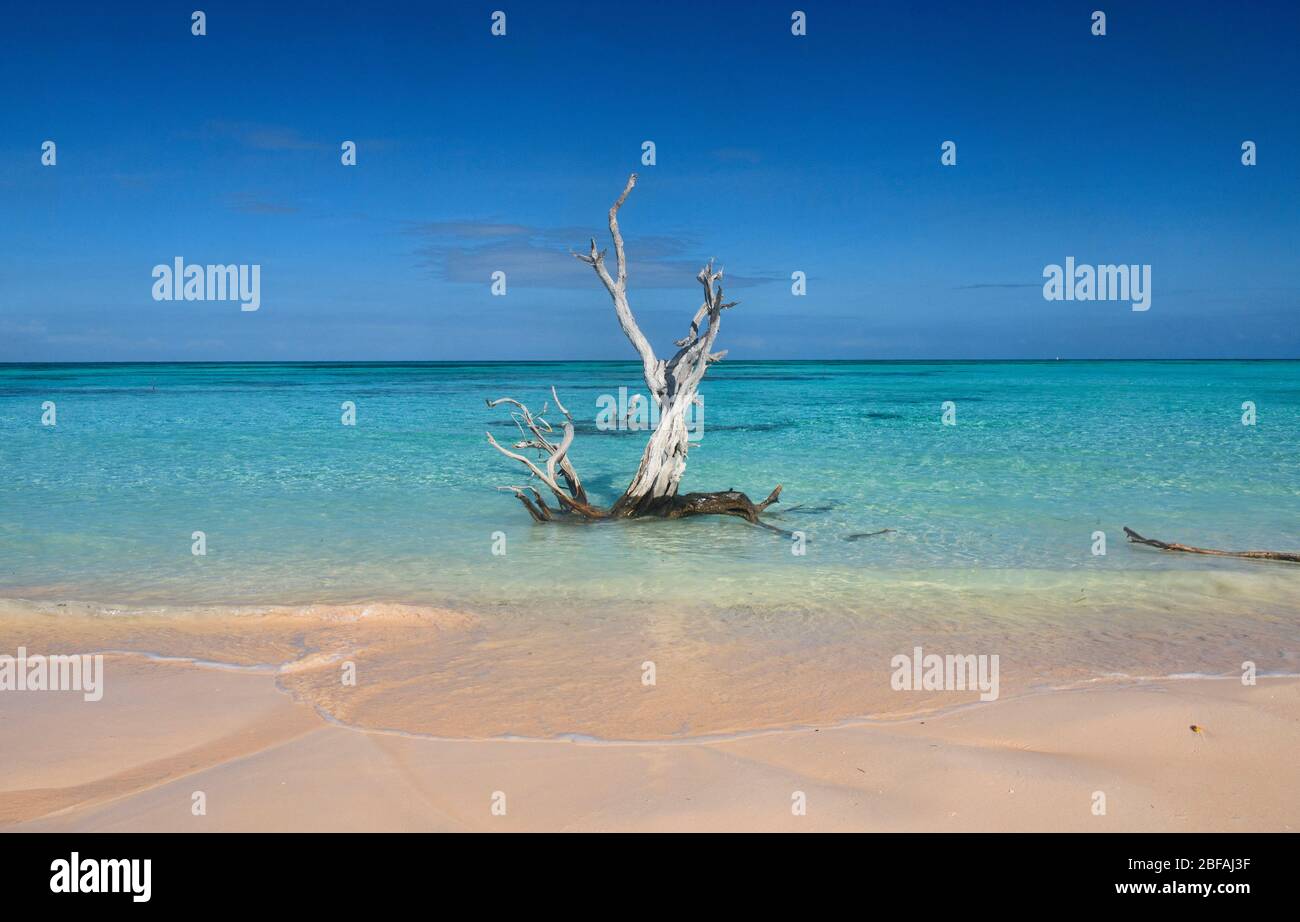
(990, 521)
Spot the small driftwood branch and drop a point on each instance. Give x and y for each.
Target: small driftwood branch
(1188, 549)
(535, 506)
(868, 534)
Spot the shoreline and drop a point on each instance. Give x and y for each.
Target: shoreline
(452, 708)
(1113, 682)
(266, 761)
(447, 675)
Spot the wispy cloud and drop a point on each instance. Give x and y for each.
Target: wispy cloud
(997, 285)
(738, 155)
(260, 136)
(22, 327)
(470, 251)
(468, 229)
(247, 203)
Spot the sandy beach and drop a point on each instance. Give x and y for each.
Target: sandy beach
(266, 754)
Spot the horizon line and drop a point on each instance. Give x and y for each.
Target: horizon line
(824, 361)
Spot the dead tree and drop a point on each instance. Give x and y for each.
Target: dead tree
(674, 387)
(1188, 549)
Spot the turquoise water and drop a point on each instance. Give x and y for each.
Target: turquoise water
(299, 508)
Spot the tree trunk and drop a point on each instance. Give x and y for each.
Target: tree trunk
(662, 463)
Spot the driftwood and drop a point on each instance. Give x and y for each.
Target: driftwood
(868, 534)
(673, 385)
(1188, 549)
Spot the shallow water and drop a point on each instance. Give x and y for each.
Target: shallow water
(991, 520)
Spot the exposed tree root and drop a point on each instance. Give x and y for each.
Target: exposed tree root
(723, 502)
(1188, 549)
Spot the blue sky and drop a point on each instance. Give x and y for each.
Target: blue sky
(775, 153)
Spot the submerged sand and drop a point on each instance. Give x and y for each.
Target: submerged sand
(641, 676)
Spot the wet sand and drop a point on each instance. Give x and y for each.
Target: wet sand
(275, 741)
(644, 675)
(266, 762)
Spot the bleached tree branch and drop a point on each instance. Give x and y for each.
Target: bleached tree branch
(651, 366)
(540, 429)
